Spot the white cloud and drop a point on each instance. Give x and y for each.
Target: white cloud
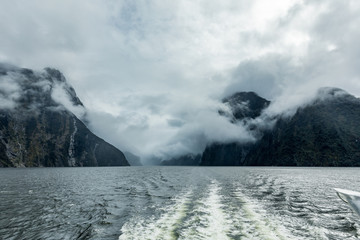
(60, 95)
(9, 92)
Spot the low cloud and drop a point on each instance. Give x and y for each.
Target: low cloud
(175, 123)
(60, 95)
(31, 90)
(9, 92)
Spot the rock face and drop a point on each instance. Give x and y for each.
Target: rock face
(323, 133)
(230, 154)
(38, 125)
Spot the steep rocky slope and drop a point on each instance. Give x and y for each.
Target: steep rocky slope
(40, 125)
(325, 132)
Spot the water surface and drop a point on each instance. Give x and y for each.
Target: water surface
(177, 203)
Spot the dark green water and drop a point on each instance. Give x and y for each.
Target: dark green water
(177, 203)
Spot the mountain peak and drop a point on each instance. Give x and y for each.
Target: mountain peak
(245, 105)
(28, 90)
(332, 93)
(55, 75)
(60, 84)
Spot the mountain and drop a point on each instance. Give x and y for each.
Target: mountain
(241, 107)
(133, 159)
(228, 154)
(40, 123)
(244, 107)
(184, 160)
(326, 132)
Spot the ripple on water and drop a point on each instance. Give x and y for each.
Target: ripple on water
(176, 203)
(163, 226)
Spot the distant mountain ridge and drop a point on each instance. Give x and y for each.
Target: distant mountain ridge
(43, 124)
(325, 132)
(40, 123)
(133, 159)
(184, 160)
(245, 105)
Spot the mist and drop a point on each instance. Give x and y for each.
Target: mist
(30, 91)
(152, 74)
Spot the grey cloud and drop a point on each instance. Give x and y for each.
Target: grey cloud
(193, 141)
(265, 76)
(60, 94)
(153, 74)
(330, 60)
(175, 122)
(10, 91)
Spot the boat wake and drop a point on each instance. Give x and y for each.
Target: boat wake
(208, 213)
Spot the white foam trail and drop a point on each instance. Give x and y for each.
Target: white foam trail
(208, 220)
(163, 228)
(256, 224)
(262, 225)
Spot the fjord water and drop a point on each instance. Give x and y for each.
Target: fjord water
(177, 203)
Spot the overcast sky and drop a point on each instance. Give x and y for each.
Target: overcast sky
(151, 73)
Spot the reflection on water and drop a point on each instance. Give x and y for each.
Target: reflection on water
(176, 203)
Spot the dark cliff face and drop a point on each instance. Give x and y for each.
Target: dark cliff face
(323, 133)
(36, 129)
(184, 160)
(230, 154)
